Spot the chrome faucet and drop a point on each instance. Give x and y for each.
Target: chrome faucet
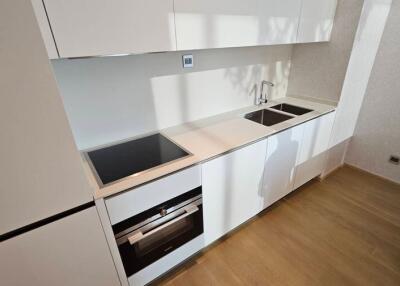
(263, 99)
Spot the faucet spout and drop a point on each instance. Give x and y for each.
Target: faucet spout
(264, 98)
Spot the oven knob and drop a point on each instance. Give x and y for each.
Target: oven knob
(163, 212)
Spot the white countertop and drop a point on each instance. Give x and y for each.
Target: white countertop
(211, 137)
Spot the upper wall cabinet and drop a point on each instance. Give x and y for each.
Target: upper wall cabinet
(103, 27)
(81, 28)
(316, 20)
(204, 24)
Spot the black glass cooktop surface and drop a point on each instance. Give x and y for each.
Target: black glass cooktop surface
(125, 159)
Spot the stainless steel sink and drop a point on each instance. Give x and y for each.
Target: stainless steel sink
(267, 117)
(296, 110)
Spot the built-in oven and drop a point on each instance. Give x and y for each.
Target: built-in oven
(148, 236)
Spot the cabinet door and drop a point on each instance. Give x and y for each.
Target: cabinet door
(45, 28)
(103, 27)
(41, 169)
(316, 20)
(203, 24)
(311, 160)
(283, 149)
(316, 137)
(231, 189)
(71, 251)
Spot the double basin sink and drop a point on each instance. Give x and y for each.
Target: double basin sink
(269, 117)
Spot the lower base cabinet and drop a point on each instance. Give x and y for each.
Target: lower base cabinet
(308, 170)
(68, 252)
(232, 189)
(283, 149)
(312, 156)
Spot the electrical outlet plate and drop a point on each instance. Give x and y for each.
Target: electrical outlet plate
(187, 61)
(394, 160)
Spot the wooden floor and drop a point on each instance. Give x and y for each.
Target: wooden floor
(342, 231)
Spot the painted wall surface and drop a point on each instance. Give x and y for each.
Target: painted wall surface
(318, 69)
(109, 99)
(377, 134)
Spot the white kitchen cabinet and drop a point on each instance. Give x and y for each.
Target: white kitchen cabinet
(366, 44)
(316, 137)
(45, 28)
(41, 169)
(316, 20)
(71, 251)
(204, 24)
(103, 27)
(231, 189)
(311, 159)
(282, 152)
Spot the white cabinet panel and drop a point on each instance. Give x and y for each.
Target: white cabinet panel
(316, 137)
(316, 20)
(103, 27)
(45, 28)
(309, 169)
(41, 169)
(311, 159)
(282, 152)
(202, 24)
(366, 43)
(231, 189)
(142, 198)
(71, 251)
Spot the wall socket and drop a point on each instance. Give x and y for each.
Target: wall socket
(394, 160)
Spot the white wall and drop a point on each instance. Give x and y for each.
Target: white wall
(318, 69)
(108, 99)
(377, 134)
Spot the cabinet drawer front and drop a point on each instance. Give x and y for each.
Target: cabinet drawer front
(137, 200)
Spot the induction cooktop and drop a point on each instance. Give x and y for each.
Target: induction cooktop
(133, 157)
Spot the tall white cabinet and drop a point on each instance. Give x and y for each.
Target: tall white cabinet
(366, 44)
(45, 240)
(232, 189)
(316, 20)
(69, 252)
(41, 171)
(44, 26)
(205, 24)
(103, 27)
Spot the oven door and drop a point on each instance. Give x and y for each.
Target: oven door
(153, 240)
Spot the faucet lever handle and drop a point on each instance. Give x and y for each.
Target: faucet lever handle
(264, 99)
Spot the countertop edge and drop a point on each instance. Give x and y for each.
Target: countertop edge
(105, 192)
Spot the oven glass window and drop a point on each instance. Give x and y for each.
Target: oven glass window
(159, 241)
(163, 236)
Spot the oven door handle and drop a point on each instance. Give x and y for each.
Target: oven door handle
(190, 209)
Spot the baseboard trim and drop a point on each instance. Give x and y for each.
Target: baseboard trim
(371, 173)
